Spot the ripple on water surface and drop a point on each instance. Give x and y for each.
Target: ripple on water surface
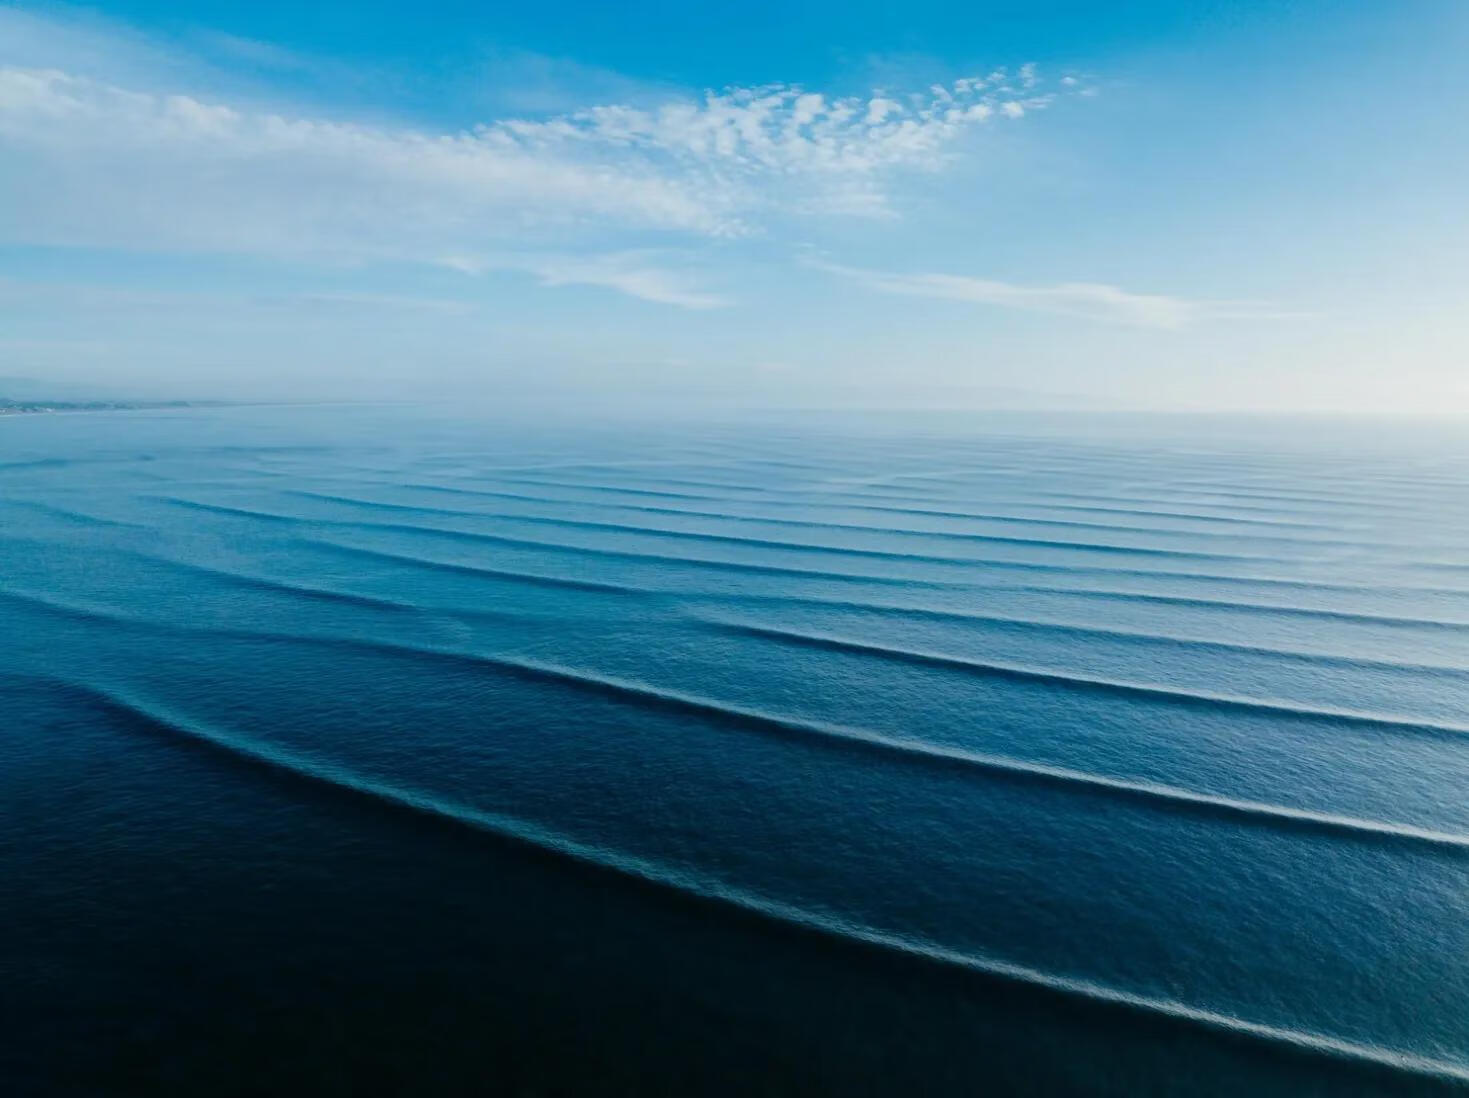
(1036, 756)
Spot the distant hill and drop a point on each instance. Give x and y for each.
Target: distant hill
(29, 394)
(9, 406)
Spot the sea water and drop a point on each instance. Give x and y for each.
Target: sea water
(394, 750)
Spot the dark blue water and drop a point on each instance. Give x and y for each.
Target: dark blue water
(365, 750)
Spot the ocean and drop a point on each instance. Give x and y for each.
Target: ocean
(400, 750)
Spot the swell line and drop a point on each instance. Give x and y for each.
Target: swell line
(1155, 795)
(1360, 617)
(292, 588)
(1189, 516)
(859, 498)
(226, 509)
(81, 518)
(1230, 491)
(827, 524)
(561, 581)
(886, 486)
(274, 585)
(696, 563)
(1153, 501)
(864, 500)
(741, 541)
(528, 543)
(537, 579)
(649, 508)
(603, 488)
(1173, 640)
(37, 463)
(1095, 684)
(1114, 595)
(707, 890)
(1261, 581)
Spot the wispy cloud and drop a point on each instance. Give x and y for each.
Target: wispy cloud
(124, 151)
(788, 129)
(639, 274)
(162, 164)
(93, 163)
(1089, 300)
(100, 153)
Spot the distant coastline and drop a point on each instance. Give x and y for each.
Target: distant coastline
(9, 407)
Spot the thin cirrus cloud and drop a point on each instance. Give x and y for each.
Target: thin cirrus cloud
(92, 162)
(637, 274)
(1087, 300)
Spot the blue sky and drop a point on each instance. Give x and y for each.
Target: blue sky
(1044, 204)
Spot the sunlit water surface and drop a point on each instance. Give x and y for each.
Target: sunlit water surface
(369, 750)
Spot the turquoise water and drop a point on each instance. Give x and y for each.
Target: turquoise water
(377, 750)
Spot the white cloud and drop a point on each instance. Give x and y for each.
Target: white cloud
(629, 277)
(136, 159)
(637, 274)
(785, 129)
(98, 163)
(1090, 300)
(89, 163)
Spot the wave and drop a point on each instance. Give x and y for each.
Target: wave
(851, 499)
(1115, 595)
(36, 463)
(1205, 577)
(813, 524)
(225, 509)
(826, 490)
(870, 486)
(503, 539)
(1173, 640)
(538, 579)
(1198, 602)
(1324, 613)
(698, 563)
(600, 488)
(1195, 601)
(681, 482)
(81, 518)
(326, 594)
(283, 587)
(1191, 516)
(882, 554)
(251, 582)
(701, 564)
(687, 886)
(922, 752)
(863, 504)
(1223, 490)
(1445, 565)
(1095, 684)
(738, 540)
(1153, 501)
(296, 588)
